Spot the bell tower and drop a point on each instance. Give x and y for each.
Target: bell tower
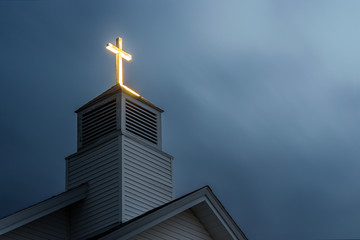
(120, 157)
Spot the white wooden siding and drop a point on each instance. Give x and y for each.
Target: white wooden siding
(184, 225)
(147, 179)
(100, 167)
(53, 226)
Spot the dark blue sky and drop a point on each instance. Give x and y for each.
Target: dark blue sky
(261, 100)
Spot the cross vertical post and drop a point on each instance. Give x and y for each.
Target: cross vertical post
(119, 72)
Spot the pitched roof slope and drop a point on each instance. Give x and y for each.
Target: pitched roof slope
(42, 208)
(203, 203)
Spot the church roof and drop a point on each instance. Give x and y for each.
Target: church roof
(42, 208)
(202, 202)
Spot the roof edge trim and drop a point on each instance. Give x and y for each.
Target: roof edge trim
(43, 208)
(153, 217)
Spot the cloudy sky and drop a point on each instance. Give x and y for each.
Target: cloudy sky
(261, 100)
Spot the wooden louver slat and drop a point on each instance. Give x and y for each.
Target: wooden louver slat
(141, 122)
(98, 122)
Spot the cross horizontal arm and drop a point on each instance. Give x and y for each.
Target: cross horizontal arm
(125, 55)
(116, 50)
(112, 48)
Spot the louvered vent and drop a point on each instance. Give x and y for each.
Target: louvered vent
(141, 122)
(98, 122)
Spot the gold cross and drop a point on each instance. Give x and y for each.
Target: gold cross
(120, 54)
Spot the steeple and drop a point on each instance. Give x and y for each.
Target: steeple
(119, 183)
(120, 157)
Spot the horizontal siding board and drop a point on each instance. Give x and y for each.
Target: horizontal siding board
(136, 205)
(39, 233)
(101, 206)
(141, 149)
(188, 224)
(141, 238)
(145, 152)
(52, 226)
(148, 192)
(100, 168)
(184, 220)
(184, 229)
(97, 195)
(91, 163)
(146, 204)
(151, 236)
(98, 176)
(106, 195)
(134, 211)
(159, 187)
(85, 177)
(184, 225)
(104, 181)
(147, 178)
(162, 187)
(181, 233)
(131, 212)
(92, 226)
(150, 162)
(138, 196)
(159, 190)
(132, 157)
(83, 229)
(133, 174)
(104, 191)
(95, 219)
(89, 153)
(98, 208)
(166, 235)
(147, 173)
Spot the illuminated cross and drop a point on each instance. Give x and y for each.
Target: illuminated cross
(120, 54)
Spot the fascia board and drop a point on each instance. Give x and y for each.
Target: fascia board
(223, 216)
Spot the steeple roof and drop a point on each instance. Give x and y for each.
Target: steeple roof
(117, 89)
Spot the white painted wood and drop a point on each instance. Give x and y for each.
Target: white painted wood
(53, 226)
(89, 107)
(147, 178)
(185, 225)
(203, 204)
(127, 175)
(100, 168)
(143, 103)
